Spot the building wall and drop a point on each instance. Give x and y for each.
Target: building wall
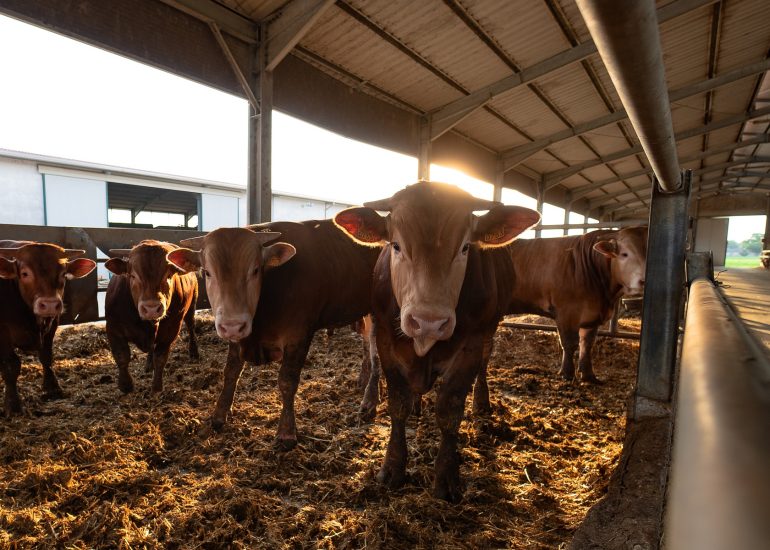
(219, 211)
(711, 235)
(299, 209)
(21, 187)
(75, 202)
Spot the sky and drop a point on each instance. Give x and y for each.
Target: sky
(64, 98)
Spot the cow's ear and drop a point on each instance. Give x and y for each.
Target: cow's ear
(607, 248)
(7, 268)
(501, 225)
(118, 266)
(79, 268)
(277, 254)
(363, 224)
(188, 261)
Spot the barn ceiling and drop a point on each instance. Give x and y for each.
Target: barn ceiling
(522, 79)
(516, 80)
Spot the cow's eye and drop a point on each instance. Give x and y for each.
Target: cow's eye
(256, 270)
(624, 254)
(466, 248)
(24, 274)
(206, 273)
(396, 247)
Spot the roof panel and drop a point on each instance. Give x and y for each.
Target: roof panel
(490, 130)
(571, 90)
(685, 42)
(745, 37)
(528, 112)
(256, 10)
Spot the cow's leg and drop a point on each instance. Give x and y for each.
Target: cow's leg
(288, 380)
(149, 362)
(569, 343)
(232, 372)
(585, 366)
(400, 402)
(122, 355)
(481, 405)
(159, 360)
(10, 367)
(450, 405)
(372, 391)
(51, 387)
(189, 321)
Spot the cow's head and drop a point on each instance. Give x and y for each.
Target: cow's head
(150, 276)
(41, 270)
(430, 230)
(233, 261)
(628, 252)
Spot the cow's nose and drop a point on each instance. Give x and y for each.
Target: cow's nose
(48, 307)
(428, 327)
(234, 330)
(150, 310)
(641, 282)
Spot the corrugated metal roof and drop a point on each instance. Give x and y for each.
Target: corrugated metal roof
(429, 54)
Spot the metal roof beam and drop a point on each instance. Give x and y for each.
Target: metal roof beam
(455, 112)
(284, 32)
(518, 154)
(226, 19)
(584, 190)
(600, 201)
(686, 134)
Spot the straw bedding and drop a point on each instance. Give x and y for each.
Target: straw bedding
(102, 470)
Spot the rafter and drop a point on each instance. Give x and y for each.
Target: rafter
(285, 31)
(686, 134)
(584, 190)
(455, 112)
(518, 154)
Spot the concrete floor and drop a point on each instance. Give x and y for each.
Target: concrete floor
(748, 290)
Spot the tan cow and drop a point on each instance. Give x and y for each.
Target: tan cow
(440, 289)
(146, 304)
(32, 277)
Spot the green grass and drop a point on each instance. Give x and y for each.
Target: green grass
(742, 261)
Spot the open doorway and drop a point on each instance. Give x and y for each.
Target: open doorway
(152, 207)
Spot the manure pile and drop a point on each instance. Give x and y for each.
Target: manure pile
(102, 470)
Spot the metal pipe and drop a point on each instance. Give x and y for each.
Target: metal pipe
(552, 328)
(719, 491)
(626, 35)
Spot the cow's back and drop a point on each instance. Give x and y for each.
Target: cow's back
(553, 273)
(327, 282)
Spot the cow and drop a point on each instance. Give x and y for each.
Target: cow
(268, 301)
(146, 303)
(577, 281)
(369, 377)
(440, 288)
(32, 278)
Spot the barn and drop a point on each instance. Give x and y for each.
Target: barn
(618, 110)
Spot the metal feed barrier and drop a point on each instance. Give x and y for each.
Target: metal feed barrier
(81, 295)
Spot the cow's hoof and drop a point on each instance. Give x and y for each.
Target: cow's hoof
(194, 355)
(13, 409)
(126, 386)
(591, 379)
(448, 489)
(417, 406)
(568, 376)
(482, 408)
(218, 423)
(285, 443)
(391, 477)
(367, 412)
(52, 394)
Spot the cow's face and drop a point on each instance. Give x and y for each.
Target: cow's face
(430, 230)
(233, 261)
(150, 276)
(41, 270)
(628, 252)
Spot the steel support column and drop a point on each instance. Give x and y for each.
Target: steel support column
(423, 153)
(567, 211)
(497, 192)
(259, 189)
(540, 201)
(662, 297)
(766, 240)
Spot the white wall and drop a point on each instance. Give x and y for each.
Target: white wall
(711, 235)
(21, 189)
(75, 202)
(219, 211)
(295, 209)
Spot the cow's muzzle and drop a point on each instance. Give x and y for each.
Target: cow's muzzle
(151, 310)
(427, 327)
(233, 329)
(47, 307)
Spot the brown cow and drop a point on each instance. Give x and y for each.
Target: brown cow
(146, 304)
(32, 277)
(440, 289)
(577, 281)
(268, 302)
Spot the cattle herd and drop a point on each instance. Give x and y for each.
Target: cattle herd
(426, 284)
